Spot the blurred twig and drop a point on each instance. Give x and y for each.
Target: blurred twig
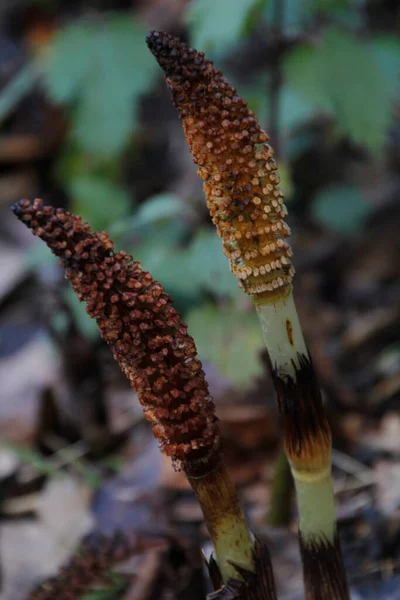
(17, 88)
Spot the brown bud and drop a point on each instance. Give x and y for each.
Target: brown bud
(237, 165)
(146, 334)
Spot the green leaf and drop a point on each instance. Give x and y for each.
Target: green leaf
(162, 207)
(98, 200)
(40, 256)
(296, 15)
(344, 78)
(101, 69)
(342, 208)
(69, 61)
(87, 326)
(295, 109)
(163, 219)
(217, 24)
(229, 339)
(103, 121)
(173, 271)
(346, 12)
(302, 70)
(331, 6)
(160, 227)
(74, 162)
(209, 267)
(286, 183)
(188, 271)
(171, 266)
(299, 15)
(386, 49)
(256, 94)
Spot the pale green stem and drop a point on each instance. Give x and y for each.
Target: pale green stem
(316, 506)
(284, 341)
(282, 332)
(225, 521)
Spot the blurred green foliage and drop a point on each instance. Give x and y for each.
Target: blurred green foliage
(92, 194)
(53, 466)
(341, 207)
(336, 78)
(100, 70)
(191, 271)
(216, 27)
(230, 339)
(114, 585)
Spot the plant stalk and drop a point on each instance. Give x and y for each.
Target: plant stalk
(241, 184)
(281, 492)
(307, 442)
(225, 521)
(151, 345)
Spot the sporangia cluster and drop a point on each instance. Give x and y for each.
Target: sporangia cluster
(146, 334)
(240, 176)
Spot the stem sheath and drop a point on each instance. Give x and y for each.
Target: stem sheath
(307, 442)
(225, 521)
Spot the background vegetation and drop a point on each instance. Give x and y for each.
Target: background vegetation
(86, 123)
